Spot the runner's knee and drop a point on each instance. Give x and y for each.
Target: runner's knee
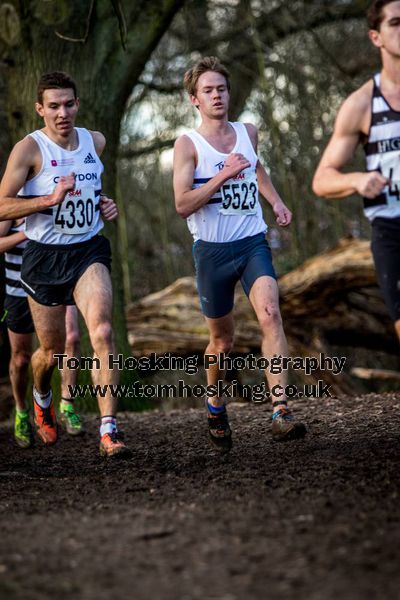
(221, 344)
(101, 336)
(72, 341)
(270, 318)
(20, 359)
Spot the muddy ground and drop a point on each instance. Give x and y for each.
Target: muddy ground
(312, 519)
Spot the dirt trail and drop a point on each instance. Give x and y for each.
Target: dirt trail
(316, 519)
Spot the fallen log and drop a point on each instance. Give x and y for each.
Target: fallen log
(375, 374)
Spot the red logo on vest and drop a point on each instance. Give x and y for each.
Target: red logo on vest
(53, 163)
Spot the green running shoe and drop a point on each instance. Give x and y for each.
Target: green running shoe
(23, 433)
(69, 419)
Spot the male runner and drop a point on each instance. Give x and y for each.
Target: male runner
(20, 332)
(217, 176)
(371, 116)
(53, 178)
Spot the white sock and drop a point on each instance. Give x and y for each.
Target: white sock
(42, 399)
(108, 425)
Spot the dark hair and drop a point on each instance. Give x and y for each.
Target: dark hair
(57, 80)
(375, 13)
(208, 63)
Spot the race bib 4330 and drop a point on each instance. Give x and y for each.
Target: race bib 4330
(76, 213)
(240, 195)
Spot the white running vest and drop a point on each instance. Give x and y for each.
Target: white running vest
(382, 151)
(234, 212)
(13, 262)
(77, 219)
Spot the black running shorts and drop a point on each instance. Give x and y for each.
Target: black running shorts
(50, 272)
(386, 252)
(18, 315)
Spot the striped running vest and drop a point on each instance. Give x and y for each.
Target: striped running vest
(77, 218)
(382, 151)
(13, 262)
(234, 211)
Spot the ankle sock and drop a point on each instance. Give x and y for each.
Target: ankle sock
(215, 410)
(276, 411)
(22, 413)
(108, 425)
(43, 400)
(65, 403)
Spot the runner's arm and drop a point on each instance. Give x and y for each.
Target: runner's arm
(19, 165)
(188, 200)
(108, 207)
(7, 242)
(329, 180)
(99, 142)
(266, 187)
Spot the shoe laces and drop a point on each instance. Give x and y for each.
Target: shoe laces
(72, 416)
(47, 416)
(283, 413)
(23, 425)
(116, 436)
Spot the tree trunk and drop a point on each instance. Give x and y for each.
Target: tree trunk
(104, 45)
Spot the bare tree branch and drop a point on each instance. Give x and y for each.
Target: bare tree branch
(85, 37)
(140, 150)
(121, 21)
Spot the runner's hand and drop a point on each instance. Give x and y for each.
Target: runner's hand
(108, 208)
(65, 185)
(234, 164)
(282, 213)
(370, 184)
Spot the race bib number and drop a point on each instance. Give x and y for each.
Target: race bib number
(75, 214)
(390, 167)
(240, 195)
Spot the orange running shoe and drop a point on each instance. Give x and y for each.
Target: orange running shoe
(112, 446)
(46, 424)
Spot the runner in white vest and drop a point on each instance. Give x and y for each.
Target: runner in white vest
(371, 116)
(53, 177)
(217, 177)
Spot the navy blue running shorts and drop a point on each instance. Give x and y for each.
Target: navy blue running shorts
(18, 316)
(385, 248)
(219, 266)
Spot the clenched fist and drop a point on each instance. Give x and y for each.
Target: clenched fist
(370, 184)
(108, 208)
(66, 184)
(235, 164)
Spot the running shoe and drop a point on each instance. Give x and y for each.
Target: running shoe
(112, 446)
(23, 433)
(70, 420)
(219, 430)
(285, 427)
(46, 424)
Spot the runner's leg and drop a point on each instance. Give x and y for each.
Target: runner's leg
(264, 297)
(69, 418)
(72, 349)
(21, 351)
(50, 329)
(96, 309)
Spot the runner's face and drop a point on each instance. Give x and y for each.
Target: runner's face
(59, 110)
(212, 96)
(388, 36)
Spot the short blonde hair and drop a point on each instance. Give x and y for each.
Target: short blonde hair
(208, 63)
